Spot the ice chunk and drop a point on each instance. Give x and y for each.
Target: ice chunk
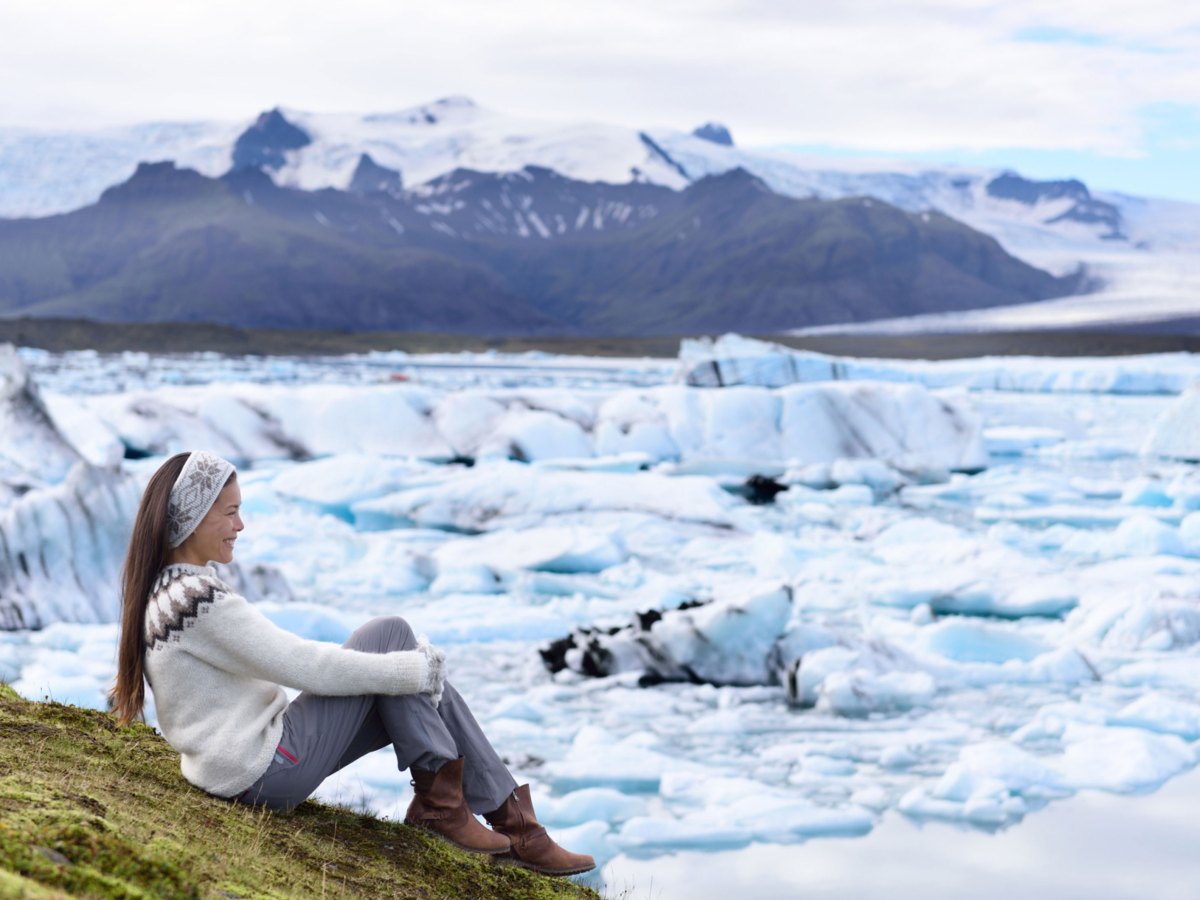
(727, 641)
(63, 546)
(588, 804)
(500, 493)
(32, 448)
(529, 434)
(334, 484)
(734, 360)
(1176, 434)
(1138, 535)
(966, 641)
(1013, 440)
(764, 816)
(632, 461)
(1135, 619)
(904, 425)
(466, 578)
(520, 708)
(65, 662)
(860, 692)
(465, 419)
(1158, 712)
(876, 474)
(1170, 673)
(318, 623)
(857, 680)
(741, 423)
(989, 786)
(634, 421)
(1122, 759)
(245, 421)
(549, 549)
(1146, 492)
(634, 763)
(983, 767)
(390, 420)
(84, 430)
(1189, 531)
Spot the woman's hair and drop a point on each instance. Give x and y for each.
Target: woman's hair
(147, 556)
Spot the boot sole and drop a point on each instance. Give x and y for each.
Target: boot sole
(507, 859)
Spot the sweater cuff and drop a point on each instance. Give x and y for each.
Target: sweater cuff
(412, 672)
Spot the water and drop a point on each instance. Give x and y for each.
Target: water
(1093, 846)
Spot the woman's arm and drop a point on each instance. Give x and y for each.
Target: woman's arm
(236, 637)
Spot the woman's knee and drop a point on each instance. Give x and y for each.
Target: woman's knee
(383, 635)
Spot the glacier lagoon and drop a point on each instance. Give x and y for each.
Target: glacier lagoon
(970, 605)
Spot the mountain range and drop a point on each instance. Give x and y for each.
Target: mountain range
(451, 217)
(486, 253)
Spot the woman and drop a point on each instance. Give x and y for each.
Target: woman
(215, 665)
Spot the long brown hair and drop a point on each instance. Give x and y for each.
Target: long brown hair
(146, 557)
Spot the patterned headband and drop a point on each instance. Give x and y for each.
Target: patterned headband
(194, 493)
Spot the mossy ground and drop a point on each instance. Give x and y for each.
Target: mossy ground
(93, 810)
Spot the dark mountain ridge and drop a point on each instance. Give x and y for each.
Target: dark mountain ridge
(1085, 208)
(530, 252)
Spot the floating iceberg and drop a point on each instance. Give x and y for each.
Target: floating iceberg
(33, 450)
(1176, 434)
(758, 429)
(62, 549)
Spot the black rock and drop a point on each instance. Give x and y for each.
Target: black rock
(656, 149)
(1095, 212)
(157, 183)
(1086, 208)
(760, 489)
(369, 177)
(715, 132)
(1011, 186)
(262, 145)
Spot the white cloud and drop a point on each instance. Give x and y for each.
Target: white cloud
(871, 74)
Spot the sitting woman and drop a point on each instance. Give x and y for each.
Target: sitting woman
(215, 665)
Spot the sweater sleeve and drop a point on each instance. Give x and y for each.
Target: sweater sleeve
(240, 639)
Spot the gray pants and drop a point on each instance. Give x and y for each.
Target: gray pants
(323, 734)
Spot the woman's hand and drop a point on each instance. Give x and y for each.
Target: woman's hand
(435, 669)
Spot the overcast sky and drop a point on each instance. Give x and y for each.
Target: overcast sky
(1106, 90)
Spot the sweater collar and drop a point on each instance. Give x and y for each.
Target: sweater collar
(189, 569)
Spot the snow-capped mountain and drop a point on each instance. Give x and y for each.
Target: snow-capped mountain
(42, 173)
(1136, 246)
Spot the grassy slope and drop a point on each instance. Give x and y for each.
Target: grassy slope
(90, 809)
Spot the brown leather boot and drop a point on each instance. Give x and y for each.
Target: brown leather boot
(438, 806)
(532, 848)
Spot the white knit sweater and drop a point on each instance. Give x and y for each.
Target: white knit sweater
(215, 665)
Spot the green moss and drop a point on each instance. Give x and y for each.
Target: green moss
(91, 809)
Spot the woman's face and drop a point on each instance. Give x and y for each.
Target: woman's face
(214, 536)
